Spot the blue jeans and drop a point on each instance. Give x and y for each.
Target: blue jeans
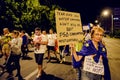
(78, 73)
(90, 76)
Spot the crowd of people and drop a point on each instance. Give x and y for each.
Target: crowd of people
(11, 49)
(14, 46)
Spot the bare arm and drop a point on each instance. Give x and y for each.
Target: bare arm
(44, 42)
(73, 51)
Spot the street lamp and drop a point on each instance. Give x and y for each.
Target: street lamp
(96, 21)
(107, 13)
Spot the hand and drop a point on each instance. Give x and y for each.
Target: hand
(35, 43)
(93, 55)
(72, 46)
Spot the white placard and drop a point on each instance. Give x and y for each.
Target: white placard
(91, 66)
(86, 27)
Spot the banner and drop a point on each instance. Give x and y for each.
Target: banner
(69, 27)
(91, 66)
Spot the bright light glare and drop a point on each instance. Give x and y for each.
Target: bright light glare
(116, 18)
(96, 21)
(106, 13)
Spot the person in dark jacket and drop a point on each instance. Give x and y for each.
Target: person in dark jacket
(24, 46)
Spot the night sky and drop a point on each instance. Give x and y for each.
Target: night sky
(89, 9)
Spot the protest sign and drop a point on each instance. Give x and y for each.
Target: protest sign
(91, 66)
(68, 26)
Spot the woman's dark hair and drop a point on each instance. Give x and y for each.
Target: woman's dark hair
(23, 31)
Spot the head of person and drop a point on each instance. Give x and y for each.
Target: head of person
(51, 31)
(44, 32)
(37, 31)
(5, 31)
(97, 34)
(15, 33)
(22, 33)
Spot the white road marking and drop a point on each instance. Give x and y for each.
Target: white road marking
(35, 72)
(30, 75)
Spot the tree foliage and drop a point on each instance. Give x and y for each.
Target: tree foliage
(27, 14)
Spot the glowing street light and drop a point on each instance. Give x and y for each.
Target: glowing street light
(96, 21)
(108, 12)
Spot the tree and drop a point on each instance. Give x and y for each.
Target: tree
(27, 14)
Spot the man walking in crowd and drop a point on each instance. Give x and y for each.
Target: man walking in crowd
(51, 44)
(4, 43)
(24, 46)
(40, 43)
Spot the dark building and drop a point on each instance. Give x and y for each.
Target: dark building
(111, 23)
(116, 13)
(116, 21)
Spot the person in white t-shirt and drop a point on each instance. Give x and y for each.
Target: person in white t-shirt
(52, 38)
(44, 37)
(15, 45)
(40, 48)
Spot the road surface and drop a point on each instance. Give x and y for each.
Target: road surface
(65, 71)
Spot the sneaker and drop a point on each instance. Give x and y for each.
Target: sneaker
(46, 58)
(61, 61)
(48, 61)
(38, 75)
(58, 60)
(17, 75)
(9, 76)
(64, 59)
(20, 77)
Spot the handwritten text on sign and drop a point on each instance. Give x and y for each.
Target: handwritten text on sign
(69, 27)
(91, 66)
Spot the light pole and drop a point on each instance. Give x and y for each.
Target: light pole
(108, 12)
(112, 24)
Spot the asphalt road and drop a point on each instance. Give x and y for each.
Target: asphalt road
(113, 49)
(64, 71)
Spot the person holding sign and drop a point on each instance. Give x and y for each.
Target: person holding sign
(95, 57)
